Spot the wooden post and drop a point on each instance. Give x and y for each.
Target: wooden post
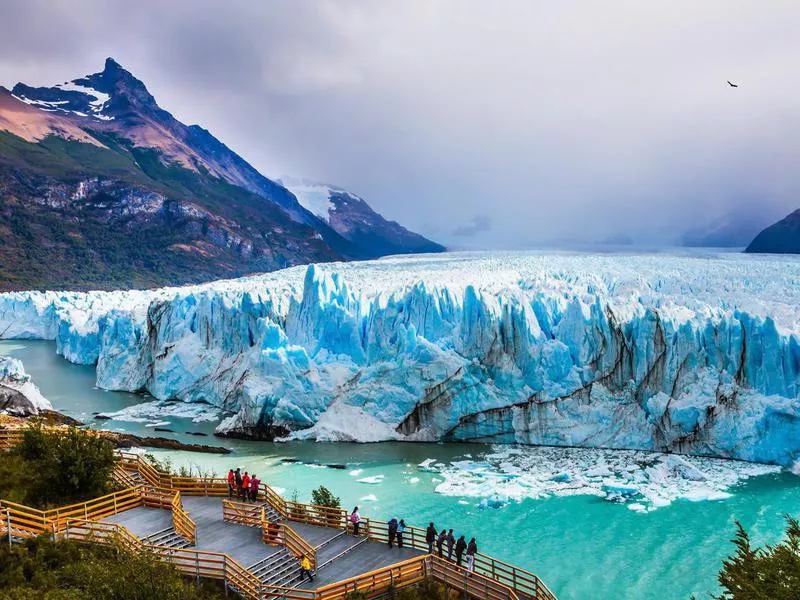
(8, 524)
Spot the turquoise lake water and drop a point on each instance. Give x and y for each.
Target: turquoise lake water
(581, 546)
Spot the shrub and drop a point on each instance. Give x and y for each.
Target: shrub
(322, 496)
(56, 467)
(41, 568)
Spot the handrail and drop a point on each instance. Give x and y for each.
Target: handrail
(242, 513)
(378, 582)
(181, 521)
(295, 544)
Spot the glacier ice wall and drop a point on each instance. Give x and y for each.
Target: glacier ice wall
(693, 355)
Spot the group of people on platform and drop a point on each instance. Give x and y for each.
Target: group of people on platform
(245, 487)
(460, 547)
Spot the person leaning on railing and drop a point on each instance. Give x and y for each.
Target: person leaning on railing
(472, 550)
(355, 519)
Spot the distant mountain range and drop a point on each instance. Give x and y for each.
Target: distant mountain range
(102, 188)
(735, 229)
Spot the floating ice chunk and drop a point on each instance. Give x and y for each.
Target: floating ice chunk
(645, 479)
(356, 472)
(636, 507)
(368, 498)
(157, 424)
(413, 480)
(426, 463)
(373, 480)
(157, 409)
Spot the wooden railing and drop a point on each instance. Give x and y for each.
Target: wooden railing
(378, 582)
(22, 521)
(295, 544)
(181, 520)
(25, 521)
(242, 513)
(10, 438)
(190, 562)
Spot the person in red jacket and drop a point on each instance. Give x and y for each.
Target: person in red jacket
(231, 483)
(255, 482)
(245, 494)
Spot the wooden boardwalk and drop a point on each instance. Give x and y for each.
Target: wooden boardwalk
(254, 548)
(356, 555)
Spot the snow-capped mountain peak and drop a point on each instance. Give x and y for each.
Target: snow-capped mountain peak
(318, 198)
(355, 220)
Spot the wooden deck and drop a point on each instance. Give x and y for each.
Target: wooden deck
(204, 535)
(245, 545)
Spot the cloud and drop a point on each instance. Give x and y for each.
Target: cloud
(566, 123)
(478, 224)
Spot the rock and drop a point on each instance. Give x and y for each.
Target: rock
(127, 440)
(163, 429)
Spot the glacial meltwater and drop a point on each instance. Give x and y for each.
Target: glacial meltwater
(592, 523)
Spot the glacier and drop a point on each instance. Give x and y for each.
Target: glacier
(671, 353)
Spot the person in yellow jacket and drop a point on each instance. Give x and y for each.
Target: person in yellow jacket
(305, 569)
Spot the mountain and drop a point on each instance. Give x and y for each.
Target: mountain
(782, 237)
(735, 229)
(101, 188)
(352, 218)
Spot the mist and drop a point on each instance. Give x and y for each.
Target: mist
(480, 125)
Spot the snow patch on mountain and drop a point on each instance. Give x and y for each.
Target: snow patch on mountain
(314, 197)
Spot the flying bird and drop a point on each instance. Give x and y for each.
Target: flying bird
(733, 84)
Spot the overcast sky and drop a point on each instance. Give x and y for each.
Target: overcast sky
(480, 124)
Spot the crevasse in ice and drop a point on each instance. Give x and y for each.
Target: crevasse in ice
(688, 354)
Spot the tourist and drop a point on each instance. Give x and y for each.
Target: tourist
(440, 542)
(451, 542)
(255, 482)
(401, 527)
(237, 477)
(472, 550)
(245, 491)
(392, 530)
(461, 545)
(305, 569)
(355, 519)
(430, 537)
(231, 483)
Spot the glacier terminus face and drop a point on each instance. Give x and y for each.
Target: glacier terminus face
(696, 355)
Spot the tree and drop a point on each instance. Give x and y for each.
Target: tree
(769, 573)
(322, 496)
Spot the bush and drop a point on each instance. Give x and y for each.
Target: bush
(322, 496)
(53, 468)
(769, 573)
(41, 568)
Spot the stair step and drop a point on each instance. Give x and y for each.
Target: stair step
(342, 553)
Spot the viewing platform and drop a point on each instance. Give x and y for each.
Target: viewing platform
(255, 548)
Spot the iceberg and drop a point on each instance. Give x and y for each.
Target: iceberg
(681, 354)
(19, 396)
